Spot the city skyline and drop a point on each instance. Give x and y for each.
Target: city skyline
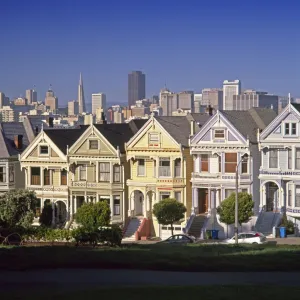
(260, 51)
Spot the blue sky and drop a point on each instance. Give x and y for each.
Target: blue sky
(189, 45)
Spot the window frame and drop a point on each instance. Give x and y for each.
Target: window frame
(105, 172)
(297, 159)
(117, 173)
(40, 150)
(245, 165)
(139, 161)
(62, 176)
(273, 150)
(93, 141)
(288, 129)
(297, 187)
(82, 168)
(219, 138)
(11, 172)
(40, 181)
(205, 162)
(160, 166)
(178, 193)
(230, 164)
(290, 158)
(3, 174)
(151, 135)
(48, 175)
(116, 207)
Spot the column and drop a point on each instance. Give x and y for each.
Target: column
(26, 177)
(195, 201)
(42, 176)
(209, 201)
(218, 198)
(97, 172)
(85, 197)
(129, 204)
(172, 166)
(132, 208)
(71, 205)
(53, 213)
(29, 176)
(145, 200)
(111, 204)
(75, 204)
(182, 167)
(111, 168)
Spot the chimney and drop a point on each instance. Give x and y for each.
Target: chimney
(209, 110)
(51, 122)
(18, 141)
(192, 132)
(36, 130)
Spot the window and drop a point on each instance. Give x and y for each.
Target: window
(230, 162)
(290, 197)
(219, 134)
(164, 167)
(244, 164)
(153, 137)
(204, 162)
(117, 173)
(63, 177)
(93, 144)
(294, 128)
(220, 163)
(11, 173)
(104, 172)
(164, 195)
(177, 167)
(82, 172)
(297, 197)
(116, 205)
(46, 177)
(228, 192)
(35, 176)
(105, 198)
(2, 174)
(287, 128)
(290, 128)
(245, 191)
(289, 158)
(44, 150)
(297, 163)
(141, 167)
(273, 158)
(178, 196)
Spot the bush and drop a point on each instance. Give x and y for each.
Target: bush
(290, 228)
(44, 234)
(46, 215)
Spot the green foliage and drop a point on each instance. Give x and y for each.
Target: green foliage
(245, 209)
(17, 208)
(91, 216)
(46, 215)
(290, 228)
(44, 234)
(168, 211)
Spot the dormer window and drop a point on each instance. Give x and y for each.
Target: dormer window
(290, 128)
(93, 145)
(153, 137)
(219, 134)
(44, 150)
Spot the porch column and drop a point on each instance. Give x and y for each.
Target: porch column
(71, 205)
(195, 201)
(29, 176)
(97, 172)
(111, 204)
(42, 176)
(263, 197)
(53, 213)
(218, 202)
(209, 200)
(111, 168)
(145, 200)
(75, 204)
(172, 166)
(132, 205)
(182, 167)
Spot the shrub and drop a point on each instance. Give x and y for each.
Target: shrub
(46, 215)
(290, 228)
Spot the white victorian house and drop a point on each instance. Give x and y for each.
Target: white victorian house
(280, 169)
(222, 144)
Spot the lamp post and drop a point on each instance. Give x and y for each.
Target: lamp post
(236, 217)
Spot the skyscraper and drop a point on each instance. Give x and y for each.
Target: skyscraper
(31, 96)
(73, 108)
(136, 87)
(81, 101)
(230, 88)
(98, 100)
(51, 100)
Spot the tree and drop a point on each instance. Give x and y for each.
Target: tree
(168, 211)
(227, 209)
(46, 215)
(93, 215)
(17, 208)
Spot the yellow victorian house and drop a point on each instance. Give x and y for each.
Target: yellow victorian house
(161, 167)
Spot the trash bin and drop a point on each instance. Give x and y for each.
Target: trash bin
(277, 232)
(214, 234)
(208, 234)
(282, 232)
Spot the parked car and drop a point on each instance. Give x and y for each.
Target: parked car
(248, 238)
(179, 239)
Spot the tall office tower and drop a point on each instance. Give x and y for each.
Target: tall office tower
(2, 99)
(197, 102)
(136, 87)
(98, 100)
(31, 96)
(230, 88)
(212, 97)
(186, 100)
(73, 108)
(51, 100)
(252, 98)
(168, 102)
(81, 100)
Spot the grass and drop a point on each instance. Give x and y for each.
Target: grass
(145, 293)
(156, 257)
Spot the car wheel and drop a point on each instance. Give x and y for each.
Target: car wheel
(254, 243)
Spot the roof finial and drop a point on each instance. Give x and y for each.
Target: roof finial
(42, 126)
(289, 98)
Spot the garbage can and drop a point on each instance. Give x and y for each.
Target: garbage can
(208, 234)
(282, 232)
(214, 234)
(277, 232)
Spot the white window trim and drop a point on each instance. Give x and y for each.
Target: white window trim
(294, 195)
(277, 159)
(290, 129)
(88, 145)
(137, 169)
(44, 145)
(153, 134)
(219, 138)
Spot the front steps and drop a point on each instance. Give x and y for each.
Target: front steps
(266, 222)
(197, 225)
(132, 227)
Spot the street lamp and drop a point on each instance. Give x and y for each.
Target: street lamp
(236, 217)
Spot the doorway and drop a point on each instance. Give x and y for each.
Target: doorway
(203, 200)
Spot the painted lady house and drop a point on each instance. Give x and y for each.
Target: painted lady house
(229, 139)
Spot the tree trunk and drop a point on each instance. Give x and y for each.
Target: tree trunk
(171, 228)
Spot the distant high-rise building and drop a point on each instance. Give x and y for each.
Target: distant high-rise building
(197, 102)
(2, 99)
(168, 102)
(136, 87)
(98, 100)
(212, 97)
(20, 101)
(31, 96)
(230, 88)
(186, 100)
(51, 101)
(252, 98)
(81, 100)
(73, 108)
(7, 114)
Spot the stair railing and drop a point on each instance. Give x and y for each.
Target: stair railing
(188, 225)
(203, 229)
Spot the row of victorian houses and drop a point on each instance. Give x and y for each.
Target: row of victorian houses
(190, 158)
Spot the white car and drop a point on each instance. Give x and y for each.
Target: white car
(248, 238)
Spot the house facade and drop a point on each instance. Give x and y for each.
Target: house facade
(229, 139)
(280, 168)
(161, 167)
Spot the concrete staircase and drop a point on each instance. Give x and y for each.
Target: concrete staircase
(266, 222)
(196, 226)
(132, 227)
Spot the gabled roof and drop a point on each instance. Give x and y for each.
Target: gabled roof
(199, 118)
(7, 132)
(119, 134)
(248, 121)
(64, 138)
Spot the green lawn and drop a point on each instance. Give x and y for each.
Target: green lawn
(145, 293)
(156, 257)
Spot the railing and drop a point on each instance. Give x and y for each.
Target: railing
(205, 175)
(203, 229)
(87, 184)
(177, 171)
(188, 224)
(164, 172)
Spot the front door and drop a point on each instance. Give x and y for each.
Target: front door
(272, 195)
(203, 201)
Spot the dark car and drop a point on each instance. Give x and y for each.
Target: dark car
(179, 239)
